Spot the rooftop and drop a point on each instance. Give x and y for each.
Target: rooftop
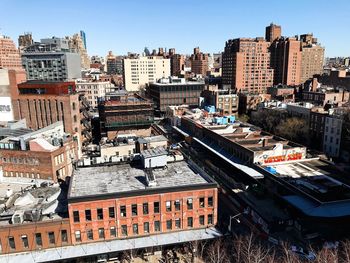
(122, 179)
(313, 177)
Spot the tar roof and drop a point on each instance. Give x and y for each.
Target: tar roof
(95, 181)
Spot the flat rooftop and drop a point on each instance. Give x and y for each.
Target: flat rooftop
(316, 178)
(119, 179)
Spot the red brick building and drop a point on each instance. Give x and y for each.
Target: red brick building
(246, 65)
(199, 62)
(44, 103)
(121, 201)
(35, 236)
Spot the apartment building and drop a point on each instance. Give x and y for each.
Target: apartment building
(246, 65)
(286, 59)
(312, 57)
(140, 71)
(77, 43)
(199, 62)
(273, 32)
(94, 91)
(51, 60)
(9, 55)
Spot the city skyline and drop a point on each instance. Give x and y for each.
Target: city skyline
(156, 24)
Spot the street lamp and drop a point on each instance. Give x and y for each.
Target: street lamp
(237, 220)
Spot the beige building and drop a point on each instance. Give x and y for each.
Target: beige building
(143, 70)
(94, 91)
(312, 57)
(76, 43)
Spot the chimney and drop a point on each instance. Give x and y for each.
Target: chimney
(264, 142)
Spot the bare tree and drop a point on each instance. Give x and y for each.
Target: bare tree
(217, 253)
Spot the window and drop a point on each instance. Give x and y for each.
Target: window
(51, 238)
(99, 213)
(201, 202)
(76, 216)
(135, 229)
(134, 210)
(157, 226)
(177, 223)
(201, 220)
(88, 215)
(90, 234)
(38, 240)
(210, 219)
(145, 208)
(190, 222)
(101, 233)
(77, 236)
(169, 224)
(156, 207)
(177, 205)
(12, 243)
(123, 211)
(25, 241)
(64, 236)
(146, 227)
(210, 201)
(112, 231)
(168, 206)
(189, 204)
(111, 212)
(124, 230)
(75, 118)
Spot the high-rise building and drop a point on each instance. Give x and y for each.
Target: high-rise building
(83, 37)
(143, 70)
(312, 57)
(51, 60)
(199, 62)
(272, 32)
(25, 40)
(286, 61)
(177, 62)
(9, 55)
(246, 65)
(77, 43)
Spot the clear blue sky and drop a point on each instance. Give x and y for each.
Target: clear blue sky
(130, 25)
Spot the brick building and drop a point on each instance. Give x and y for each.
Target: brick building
(199, 62)
(246, 65)
(44, 103)
(272, 32)
(286, 58)
(44, 154)
(133, 204)
(9, 54)
(177, 63)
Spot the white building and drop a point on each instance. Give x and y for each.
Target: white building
(94, 91)
(332, 136)
(143, 70)
(6, 110)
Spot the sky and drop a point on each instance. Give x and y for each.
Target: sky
(131, 25)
